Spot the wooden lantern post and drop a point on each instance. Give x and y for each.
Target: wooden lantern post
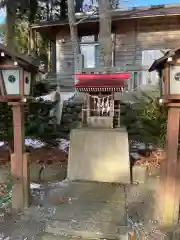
(168, 201)
(19, 159)
(16, 79)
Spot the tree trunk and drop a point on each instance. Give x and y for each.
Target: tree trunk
(10, 24)
(47, 11)
(105, 33)
(73, 28)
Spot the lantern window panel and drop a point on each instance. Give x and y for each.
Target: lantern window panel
(174, 79)
(27, 83)
(11, 78)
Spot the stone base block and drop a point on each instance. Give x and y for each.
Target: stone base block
(100, 155)
(139, 173)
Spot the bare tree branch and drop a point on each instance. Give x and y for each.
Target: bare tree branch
(86, 17)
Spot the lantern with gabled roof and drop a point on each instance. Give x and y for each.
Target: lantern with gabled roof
(17, 74)
(168, 68)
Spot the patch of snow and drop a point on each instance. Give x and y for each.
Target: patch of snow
(135, 156)
(34, 143)
(65, 96)
(29, 142)
(45, 97)
(2, 144)
(138, 145)
(35, 185)
(64, 145)
(63, 183)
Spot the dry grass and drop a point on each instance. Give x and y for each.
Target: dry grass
(153, 161)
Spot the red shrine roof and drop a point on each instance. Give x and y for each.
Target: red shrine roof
(101, 82)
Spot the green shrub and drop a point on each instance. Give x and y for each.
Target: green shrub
(37, 122)
(152, 120)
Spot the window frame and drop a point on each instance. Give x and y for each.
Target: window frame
(93, 43)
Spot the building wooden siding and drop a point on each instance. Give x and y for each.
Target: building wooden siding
(131, 38)
(135, 36)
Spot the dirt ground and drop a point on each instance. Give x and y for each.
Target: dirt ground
(54, 159)
(153, 161)
(43, 155)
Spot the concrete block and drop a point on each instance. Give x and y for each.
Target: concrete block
(51, 173)
(139, 173)
(100, 155)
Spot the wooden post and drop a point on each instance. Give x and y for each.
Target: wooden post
(26, 181)
(119, 117)
(169, 185)
(112, 108)
(131, 236)
(87, 107)
(112, 105)
(19, 161)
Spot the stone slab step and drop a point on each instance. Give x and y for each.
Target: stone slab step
(86, 230)
(90, 202)
(91, 211)
(92, 191)
(48, 236)
(82, 209)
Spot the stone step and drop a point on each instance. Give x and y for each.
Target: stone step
(89, 211)
(48, 236)
(81, 210)
(91, 191)
(84, 230)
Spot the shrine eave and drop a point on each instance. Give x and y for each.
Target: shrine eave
(88, 85)
(104, 76)
(101, 82)
(99, 89)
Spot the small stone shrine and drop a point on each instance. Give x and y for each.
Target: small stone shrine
(99, 149)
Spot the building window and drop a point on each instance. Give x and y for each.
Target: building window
(90, 50)
(148, 57)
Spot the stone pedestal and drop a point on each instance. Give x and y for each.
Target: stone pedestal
(139, 173)
(100, 155)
